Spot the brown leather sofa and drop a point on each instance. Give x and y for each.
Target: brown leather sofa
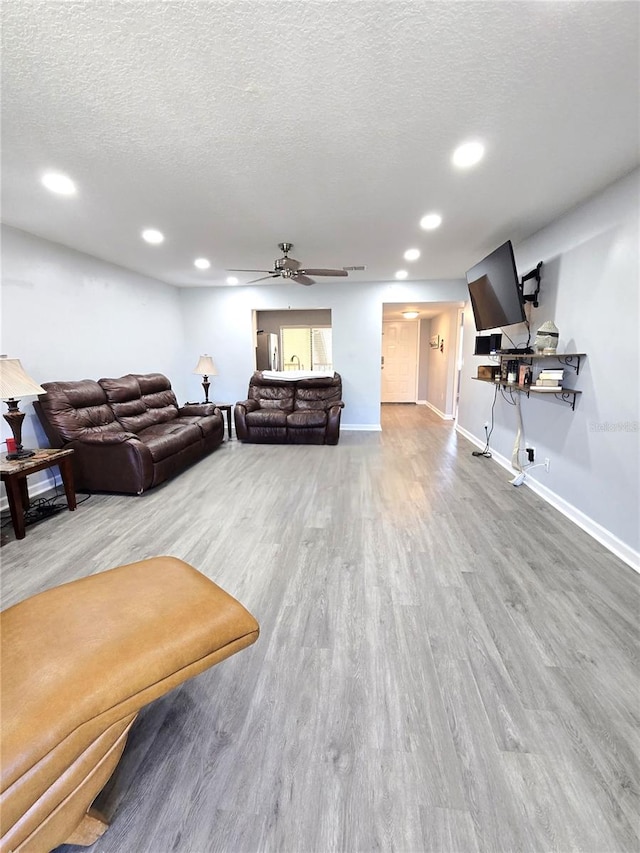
(78, 663)
(128, 434)
(281, 411)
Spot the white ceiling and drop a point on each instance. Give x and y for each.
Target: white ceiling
(232, 125)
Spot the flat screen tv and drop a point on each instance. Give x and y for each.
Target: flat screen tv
(496, 296)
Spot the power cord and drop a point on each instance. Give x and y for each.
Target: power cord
(487, 431)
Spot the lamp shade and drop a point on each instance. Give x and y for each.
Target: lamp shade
(205, 366)
(14, 382)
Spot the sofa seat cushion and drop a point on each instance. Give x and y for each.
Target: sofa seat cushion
(207, 425)
(306, 418)
(165, 440)
(267, 418)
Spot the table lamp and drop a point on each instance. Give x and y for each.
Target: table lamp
(206, 368)
(14, 384)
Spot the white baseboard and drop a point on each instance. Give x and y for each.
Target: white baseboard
(440, 414)
(611, 542)
(361, 427)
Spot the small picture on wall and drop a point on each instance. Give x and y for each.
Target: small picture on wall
(434, 341)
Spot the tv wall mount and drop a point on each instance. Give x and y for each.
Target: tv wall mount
(531, 297)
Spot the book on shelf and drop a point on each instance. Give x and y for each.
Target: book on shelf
(551, 374)
(552, 383)
(553, 389)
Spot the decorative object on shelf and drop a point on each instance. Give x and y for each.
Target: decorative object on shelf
(524, 374)
(547, 338)
(434, 341)
(15, 384)
(206, 368)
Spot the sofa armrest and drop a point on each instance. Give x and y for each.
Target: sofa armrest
(334, 412)
(197, 410)
(240, 417)
(101, 438)
(249, 405)
(119, 462)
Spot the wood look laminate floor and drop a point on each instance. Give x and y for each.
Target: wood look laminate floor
(445, 662)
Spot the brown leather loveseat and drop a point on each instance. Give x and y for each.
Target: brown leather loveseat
(285, 411)
(128, 434)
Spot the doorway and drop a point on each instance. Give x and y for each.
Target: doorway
(399, 364)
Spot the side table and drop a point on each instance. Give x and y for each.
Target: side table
(224, 407)
(14, 473)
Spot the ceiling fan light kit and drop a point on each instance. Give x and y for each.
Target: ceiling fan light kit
(289, 268)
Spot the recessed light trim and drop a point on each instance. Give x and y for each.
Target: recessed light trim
(202, 263)
(468, 154)
(58, 183)
(232, 280)
(410, 315)
(401, 274)
(412, 254)
(430, 221)
(153, 236)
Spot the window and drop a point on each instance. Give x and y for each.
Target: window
(306, 348)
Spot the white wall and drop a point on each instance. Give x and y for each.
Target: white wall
(590, 287)
(67, 315)
(218, 320)
(442, 363)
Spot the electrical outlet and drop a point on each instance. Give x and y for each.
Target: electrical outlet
(531, 454)
(547, 464)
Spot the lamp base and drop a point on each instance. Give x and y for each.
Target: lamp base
(20, 454)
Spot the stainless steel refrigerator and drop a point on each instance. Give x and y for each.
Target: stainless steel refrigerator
(267, 356)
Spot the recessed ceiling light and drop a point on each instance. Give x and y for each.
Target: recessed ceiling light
(468, 154)
(202, 263)
(58, 183)
(151, 235)
(402, 274)
(431, 221)
(232, 280)
(412, 254)
(410, 315)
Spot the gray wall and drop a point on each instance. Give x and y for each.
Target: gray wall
(590, 287)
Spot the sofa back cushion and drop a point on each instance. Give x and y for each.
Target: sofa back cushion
(77, 409)
(136, 410)
(320, 393)
(270, 393)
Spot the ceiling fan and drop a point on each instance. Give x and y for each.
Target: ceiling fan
(287, 267)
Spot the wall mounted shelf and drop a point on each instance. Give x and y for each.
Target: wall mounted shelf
(566, 359)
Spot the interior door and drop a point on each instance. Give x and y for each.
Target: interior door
(399, 361)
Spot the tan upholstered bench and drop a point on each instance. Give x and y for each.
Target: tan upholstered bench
(78, 663)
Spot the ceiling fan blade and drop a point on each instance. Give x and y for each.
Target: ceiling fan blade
(264, 277)
(235, 270)
(302, 279)
(323, 272)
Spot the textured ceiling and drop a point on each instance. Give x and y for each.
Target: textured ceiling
(232, 126)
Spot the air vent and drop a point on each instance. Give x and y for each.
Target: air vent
(353, 269)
